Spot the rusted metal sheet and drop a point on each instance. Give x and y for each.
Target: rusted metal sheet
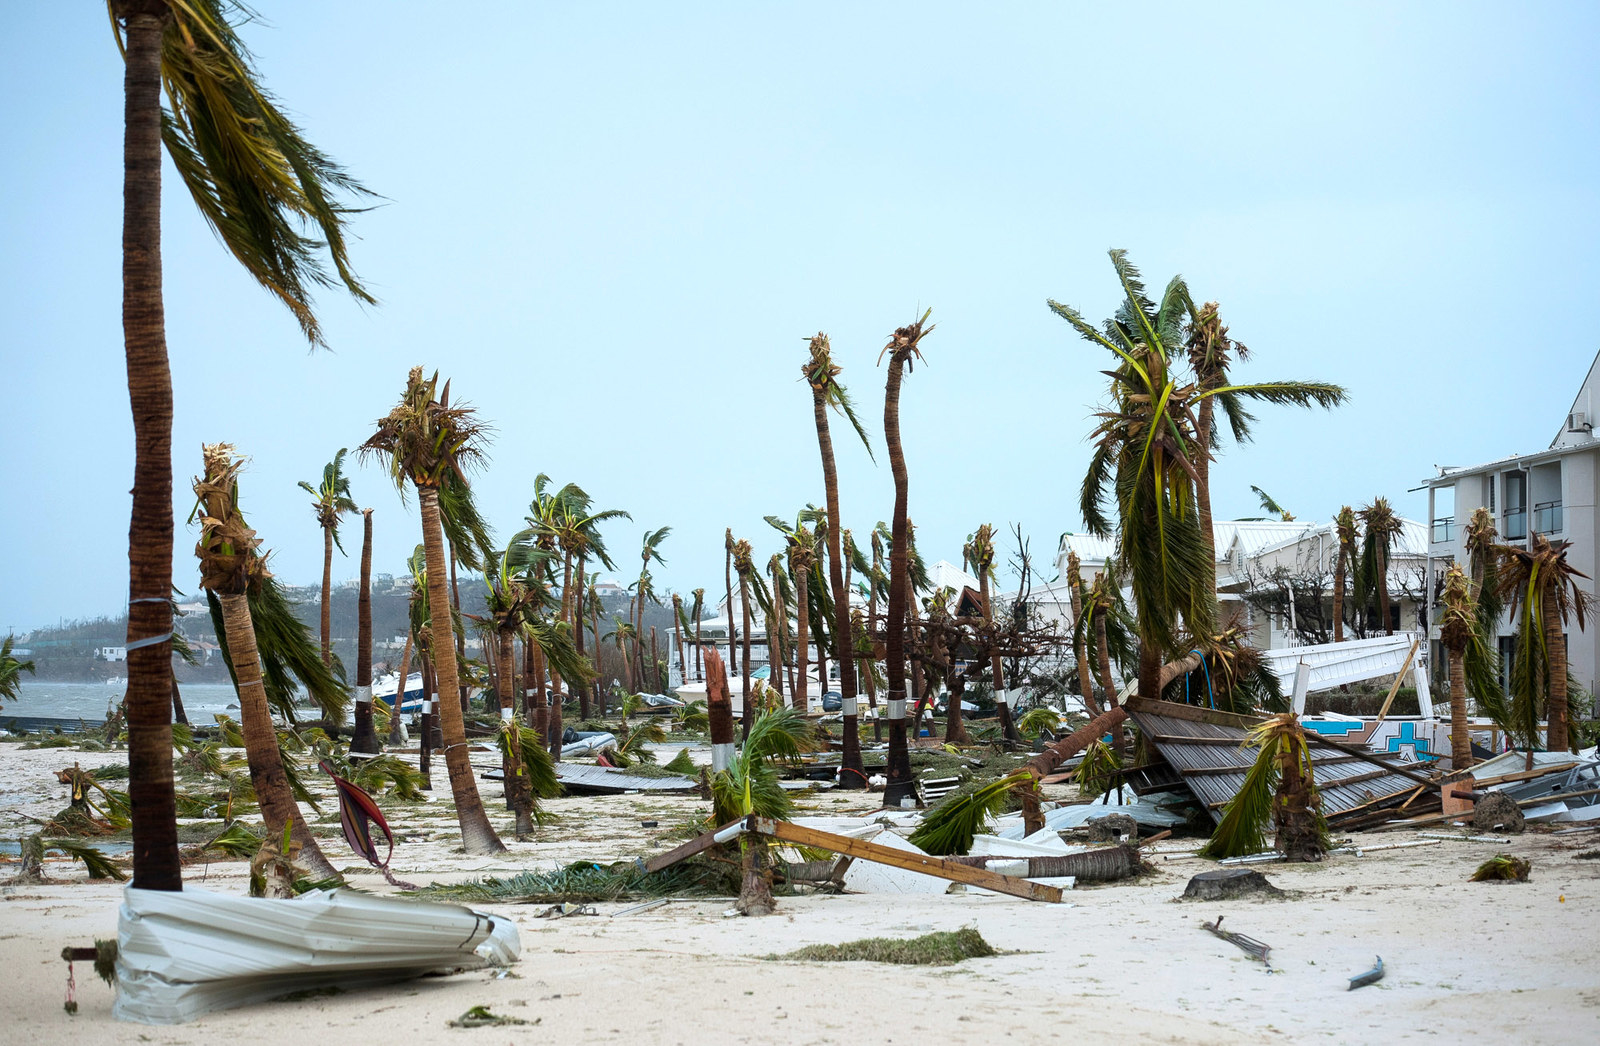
(1207, 748)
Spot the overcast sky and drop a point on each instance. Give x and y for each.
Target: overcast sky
(614, 225)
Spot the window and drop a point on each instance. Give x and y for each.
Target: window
(1516, 517)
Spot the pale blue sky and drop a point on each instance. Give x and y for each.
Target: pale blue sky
(613, 225)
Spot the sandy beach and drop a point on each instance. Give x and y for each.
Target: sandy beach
(1124, 962)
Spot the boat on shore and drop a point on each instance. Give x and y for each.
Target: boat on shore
(411, 698)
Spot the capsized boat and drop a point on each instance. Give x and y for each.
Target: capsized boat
(411, 703)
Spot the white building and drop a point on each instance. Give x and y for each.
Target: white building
(1252, 554)
(1550, 492)
(113, 653)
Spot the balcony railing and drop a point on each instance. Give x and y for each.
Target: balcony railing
(1444, 529)
(1547, 518)
(1516, 524)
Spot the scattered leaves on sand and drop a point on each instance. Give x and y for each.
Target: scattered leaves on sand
(931, 949)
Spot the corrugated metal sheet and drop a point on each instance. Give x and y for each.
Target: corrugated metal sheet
(586, 777)
(1205, 747)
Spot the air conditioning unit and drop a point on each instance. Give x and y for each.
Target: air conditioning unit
(1578, 421)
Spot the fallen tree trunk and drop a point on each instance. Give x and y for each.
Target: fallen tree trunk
(1045, 763)
(1092, 866)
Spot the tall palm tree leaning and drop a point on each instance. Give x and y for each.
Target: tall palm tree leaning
(1210, 350)
(229, 566)
(1380, 528)
(905, 345)
(822, 374)
(425, 443)
(255, 180)
(1145, 445)
(1344, 529)
(1540, 588)
(330, 499)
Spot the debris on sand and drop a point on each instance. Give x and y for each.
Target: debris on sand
(1502, 868)
(931, 949)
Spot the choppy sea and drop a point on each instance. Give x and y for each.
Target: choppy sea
(90, 700)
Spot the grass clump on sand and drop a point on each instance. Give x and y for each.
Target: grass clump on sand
(1502, 868)
(931, 949)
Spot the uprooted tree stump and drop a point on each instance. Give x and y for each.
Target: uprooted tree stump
(1224, 883)
(1112, 828)
(1497, 812)
(32, 852)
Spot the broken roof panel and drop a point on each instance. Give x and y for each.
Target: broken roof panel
(1206, 747)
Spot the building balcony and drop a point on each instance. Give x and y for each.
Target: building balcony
(1444, 529)
(1516, 524)
(1547, 518)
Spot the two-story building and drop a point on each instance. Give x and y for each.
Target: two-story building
(1549, 492)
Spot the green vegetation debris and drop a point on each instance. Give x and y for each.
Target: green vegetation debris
(1502, 868)
(931, 949)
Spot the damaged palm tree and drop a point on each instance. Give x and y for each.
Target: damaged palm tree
(822, 374)
(1540, 588)
(749, 785)
(229, 565)
(427, 443)
(904, 346)
(1458, 629)
(1279, 788)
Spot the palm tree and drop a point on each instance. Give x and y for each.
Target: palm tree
(650, 549)
(978, 553)
(364, 739)
(621, 634)
(904, 346)
(1540, 588)
(744, 566)
(330, 499)
(424, 440)
(697, 611)
(750, 785)
(777, 610)
(229, 568)
(727, 578)
(1457, 627)
(1210, 351)
(822, 374)
(1080, 634)
(1380, 529)
(1145, 446)
(11, 669)
(1344, 528)
(255, 180)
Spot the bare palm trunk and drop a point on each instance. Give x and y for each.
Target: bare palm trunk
(277, 803)
(1556, 704)
(178, 714)
(802, 644)
(575, 619)
(899, 785)
(1460, 737)
(555, 730)
(429, 722)
(1080, 645)
(1341, 564)
(1008, 726)
(477, 834)
(327, 593)
(149, 643)
(365, 738)
(519, 792)
(1202, 488)
(727, 577)
(395, 725)
(747, 714)
(1383, 590)
(1103, 655)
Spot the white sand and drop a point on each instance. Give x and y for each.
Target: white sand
(1485, 962)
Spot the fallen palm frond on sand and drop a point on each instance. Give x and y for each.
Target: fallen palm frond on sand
(931, 949)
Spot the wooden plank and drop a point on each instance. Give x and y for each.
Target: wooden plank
(914, 862)
(698, 845)
(1521, 775)
(1192, 713)
(1398, 679)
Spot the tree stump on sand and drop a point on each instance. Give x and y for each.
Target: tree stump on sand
(1225, 883)
(1497, 812)
(1113, 828)
(32, 873)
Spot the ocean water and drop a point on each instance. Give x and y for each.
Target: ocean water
(89, 700)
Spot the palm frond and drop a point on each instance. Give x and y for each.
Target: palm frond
(949, 827)
(255, 179)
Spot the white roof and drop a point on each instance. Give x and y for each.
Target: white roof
(1090, 549)
(1411, 541)
(945, 574)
